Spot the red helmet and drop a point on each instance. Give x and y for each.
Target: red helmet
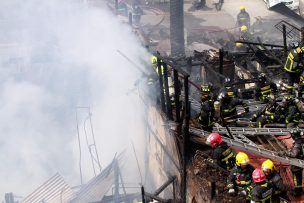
(214, 139)
(258, 175)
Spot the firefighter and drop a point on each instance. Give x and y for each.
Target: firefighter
(222, 154)
(243, 18)
(228, 105)
(122, 8)
(245, 34)
(153, 77)
(137, 12)
(262, 190)
(239, 179)
(199, 4)
(206, 115)
(269, 114)
(297, 151)
(274, 178)
(294, 66)
(292, 114)
(228, 87)
(265, 89)
(257, 26)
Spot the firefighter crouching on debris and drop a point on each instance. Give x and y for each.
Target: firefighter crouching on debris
(274, 178)
(245, 35)
(265, 89)
(262, 190)
(222, 154)
(206, 114)
(292, 114)
(297, 152)
(269, 114)
(239, 179)
(243, 18)
(294, 66)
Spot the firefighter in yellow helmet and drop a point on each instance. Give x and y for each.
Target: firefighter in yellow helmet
(274, 178)
(153, 59)
(294, 66)
(243, 18)
(153, 77)
(239, 179)
(206, 115)
(244, 28)
(245, 34)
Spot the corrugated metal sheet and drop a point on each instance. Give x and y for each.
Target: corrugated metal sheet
(97, 187)
(55, 190)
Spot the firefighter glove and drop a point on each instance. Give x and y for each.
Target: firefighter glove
(243, 193)
(231, 191)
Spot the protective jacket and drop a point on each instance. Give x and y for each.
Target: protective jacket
(297, 151)
(224, 156)
(293, 115)
(206, 114)
(279, 188)
(228, 109)
(262, 192)
(294, 61)
(243, 18)
(240, 178)
(265, 90)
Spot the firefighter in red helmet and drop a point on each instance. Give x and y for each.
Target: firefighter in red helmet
(222, 154)
(262, 191)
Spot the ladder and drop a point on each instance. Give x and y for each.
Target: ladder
(252, 149)
(253, 131)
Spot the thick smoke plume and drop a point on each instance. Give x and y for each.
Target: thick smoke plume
(57, 56)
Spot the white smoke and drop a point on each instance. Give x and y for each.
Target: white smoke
(56, 56)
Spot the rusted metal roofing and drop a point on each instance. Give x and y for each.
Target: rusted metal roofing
(54, 190)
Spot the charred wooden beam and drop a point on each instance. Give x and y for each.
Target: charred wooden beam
(165, 185)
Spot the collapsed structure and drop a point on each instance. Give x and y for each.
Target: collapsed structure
(178, 159)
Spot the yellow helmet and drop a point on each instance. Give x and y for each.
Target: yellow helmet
(241, 159)
(244, 28)
(242, 8)
(238, 44)
(267, 165)
(153, 59)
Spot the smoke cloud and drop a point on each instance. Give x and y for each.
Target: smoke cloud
(57, 56)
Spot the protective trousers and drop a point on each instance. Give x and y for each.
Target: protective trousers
(297, 179)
